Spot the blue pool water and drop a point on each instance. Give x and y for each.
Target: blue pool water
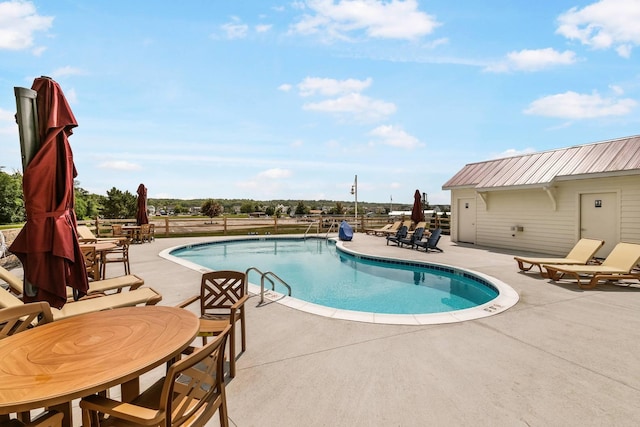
(320, 273)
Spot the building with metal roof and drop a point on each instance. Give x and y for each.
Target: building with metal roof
(546, 201)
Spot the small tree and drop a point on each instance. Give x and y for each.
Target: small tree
(338, 209)
(247, 207)
(119, 204)
(178, 209)
(11, 203)
(301, 209)
(211, 208)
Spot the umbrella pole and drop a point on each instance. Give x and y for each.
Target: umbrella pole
(27, 118)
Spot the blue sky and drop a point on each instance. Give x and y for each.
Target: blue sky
(291, 99)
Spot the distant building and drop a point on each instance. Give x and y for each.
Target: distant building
(546, 201)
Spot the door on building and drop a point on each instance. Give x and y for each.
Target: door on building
(599, 219)
(467, 220)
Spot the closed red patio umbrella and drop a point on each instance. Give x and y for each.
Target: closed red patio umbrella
(48, 244)
(141, 213)
(417, 213)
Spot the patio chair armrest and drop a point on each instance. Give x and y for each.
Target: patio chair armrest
(124, 411)
(188, 301)
(240, 302)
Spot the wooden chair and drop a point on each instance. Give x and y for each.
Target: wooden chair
(119, 233)
(85, 235)
(118, 254)
(17, 319)
(91, 261)
(145, 233)
(190, 394)
(152, 231)
(222, 297)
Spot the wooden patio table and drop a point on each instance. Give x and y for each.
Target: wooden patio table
(133, 230)
(50, 365)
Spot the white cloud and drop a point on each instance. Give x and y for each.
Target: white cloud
(285, 87)
(572, 105)
(263, 28)
(395, 137)
(624, 50)
(512, 152)
(72, 96)
(67, 71)
(18, 23)
(604, 24)
(7, 116)
(616, 89)
(297, 143)
(235, 29)
(394, 19)
(275, 173)
(38, 51)
(533, 60)
(359, 106)
(331, 87)
(121, 165)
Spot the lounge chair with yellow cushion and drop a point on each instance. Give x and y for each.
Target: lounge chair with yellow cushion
(145, 296)
(116, 284)
(382, 230)
(581, 253)
(620, 264)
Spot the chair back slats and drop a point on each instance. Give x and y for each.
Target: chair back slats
(118, 254)
(17, 319)
(91, 261)
(196, 385)
(221, 289)
(145, 233)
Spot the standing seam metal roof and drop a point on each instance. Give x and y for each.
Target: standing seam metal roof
(540, 169)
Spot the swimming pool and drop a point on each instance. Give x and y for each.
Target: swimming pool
(326, 279)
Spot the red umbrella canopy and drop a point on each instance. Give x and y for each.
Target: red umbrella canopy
(48, 245)
(417, 213)
(141, 214)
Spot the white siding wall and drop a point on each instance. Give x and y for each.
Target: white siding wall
(546, 230)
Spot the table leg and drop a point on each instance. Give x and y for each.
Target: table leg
(130, 390)
(66, 410)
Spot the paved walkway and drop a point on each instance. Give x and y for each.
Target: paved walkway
(560, 357)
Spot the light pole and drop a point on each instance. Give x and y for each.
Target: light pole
(424, 202)
(354, 191)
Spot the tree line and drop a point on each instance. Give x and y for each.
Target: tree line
(123, 204)
(116, 204)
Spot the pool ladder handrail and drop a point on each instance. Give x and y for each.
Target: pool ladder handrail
(330, 228)
(263, 276)
(311, 224)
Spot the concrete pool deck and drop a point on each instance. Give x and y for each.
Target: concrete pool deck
(560, 357)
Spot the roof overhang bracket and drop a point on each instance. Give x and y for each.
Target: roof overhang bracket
(485, 199)
(551, 192)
